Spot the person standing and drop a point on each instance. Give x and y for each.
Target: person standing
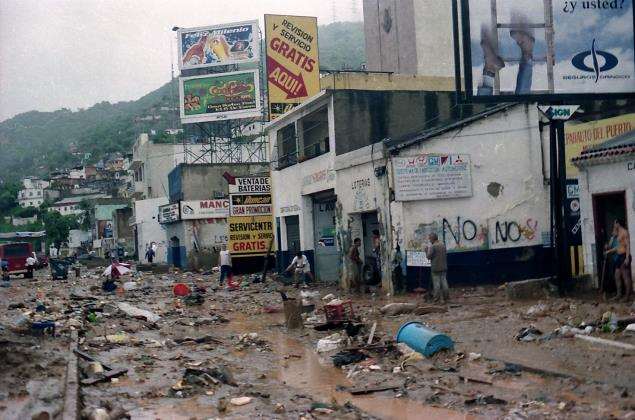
(623, 258)
(377, 255)
(437, 254)
(150, 255)
(398, 270)
(355, 263)
(225, 266)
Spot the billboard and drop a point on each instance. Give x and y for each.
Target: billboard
(249, 236)
(220, 96)
(579, 137)
(250, 205)
(545, 50)
(169, 213)
(209, 46)
(293, 71)
(204, 209)
(432, 176)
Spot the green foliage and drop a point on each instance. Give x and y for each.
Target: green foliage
(342, 46)
(86, 219)
(58, 226)
(8, 197)
(25, 212)
(35, 143)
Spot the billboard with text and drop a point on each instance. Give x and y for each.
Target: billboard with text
(293, 71)
(209, 46)
(526, 49)
(220, 96)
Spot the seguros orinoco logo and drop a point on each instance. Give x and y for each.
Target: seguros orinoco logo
(610, 62)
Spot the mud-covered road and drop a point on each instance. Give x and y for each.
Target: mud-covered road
(228, 354)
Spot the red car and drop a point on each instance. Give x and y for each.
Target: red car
(15, 255)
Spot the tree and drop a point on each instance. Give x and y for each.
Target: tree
(58, 226)
(86, 219)
(8, 197)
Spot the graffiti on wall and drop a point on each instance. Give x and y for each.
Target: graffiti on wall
(461, 234)
(361, 194)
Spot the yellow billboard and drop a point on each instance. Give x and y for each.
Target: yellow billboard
(579, 137)
(293, 71)
(249, 236)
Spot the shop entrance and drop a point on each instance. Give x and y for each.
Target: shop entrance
(327, 259)
(292, 224)
(606, 209)
(372, 262)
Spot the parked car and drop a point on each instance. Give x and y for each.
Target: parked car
(16, 254)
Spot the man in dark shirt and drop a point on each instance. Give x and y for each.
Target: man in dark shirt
(437, 254)
(355, 263)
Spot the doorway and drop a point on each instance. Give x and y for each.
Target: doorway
(372, 262)
(292, 224)
(327, 258)
(606, 209)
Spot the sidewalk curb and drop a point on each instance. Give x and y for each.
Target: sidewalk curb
(71, 392)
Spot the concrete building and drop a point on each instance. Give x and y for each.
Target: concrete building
(71, 205)
(607, 193)
(409, 36)
(32, 192)
(480, 184)
(348, 120)
(195, 240)
(148, 231)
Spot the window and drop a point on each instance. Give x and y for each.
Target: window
(315, 134)
(30, 193)
(287, 146)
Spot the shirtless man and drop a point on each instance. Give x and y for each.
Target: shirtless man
(623, 258)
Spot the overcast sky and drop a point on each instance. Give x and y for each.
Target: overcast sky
(75, 53)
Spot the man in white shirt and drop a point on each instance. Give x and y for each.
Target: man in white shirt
(301, 268)
(225, 266)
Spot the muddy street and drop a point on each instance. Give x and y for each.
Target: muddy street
(145, 353)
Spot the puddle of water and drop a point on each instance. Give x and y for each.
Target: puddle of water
(320, 379)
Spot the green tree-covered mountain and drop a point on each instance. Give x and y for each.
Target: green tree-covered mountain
(35, 143)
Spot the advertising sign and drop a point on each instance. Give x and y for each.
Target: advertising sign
(204, 209)
(250, 204)
(249, 236)
(525, 49)
(427, 177)
(417, 259)
(218, 45)
(169, 213)
(220, 96)
(256, 184)
(293, 71)
(572, 213)
(579, 137)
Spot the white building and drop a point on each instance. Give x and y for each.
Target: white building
(607, 193)
(149, 233)
(71, 205)
(32, 192)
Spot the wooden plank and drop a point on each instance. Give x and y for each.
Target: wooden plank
(105, 376)
(605, 342)
(370, 390)
(372, 334)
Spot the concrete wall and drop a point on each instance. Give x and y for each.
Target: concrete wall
(434, 38)
(508, 214)
(366, 117)
(389, 27)
(200, 182)
(609, 177)
(148, 228)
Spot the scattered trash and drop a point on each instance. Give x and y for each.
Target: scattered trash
(485, 400)
(238, 401)
(130, 285)
(348, 357)
(137, 312)
(630, 328)
(328, 297)
(528, 334)
(603, 341)
(393, 309)
(537, 310)
(181, 290)
(473, 356)
(422, 339)
(194, 299)
(330, 343)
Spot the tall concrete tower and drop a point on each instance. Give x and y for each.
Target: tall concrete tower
(409, 36)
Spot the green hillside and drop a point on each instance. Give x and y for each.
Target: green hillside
(34, 143)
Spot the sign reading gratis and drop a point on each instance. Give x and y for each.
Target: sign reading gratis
(250, 236)
(293, 70)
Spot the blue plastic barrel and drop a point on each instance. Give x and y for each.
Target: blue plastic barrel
(422, 339)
